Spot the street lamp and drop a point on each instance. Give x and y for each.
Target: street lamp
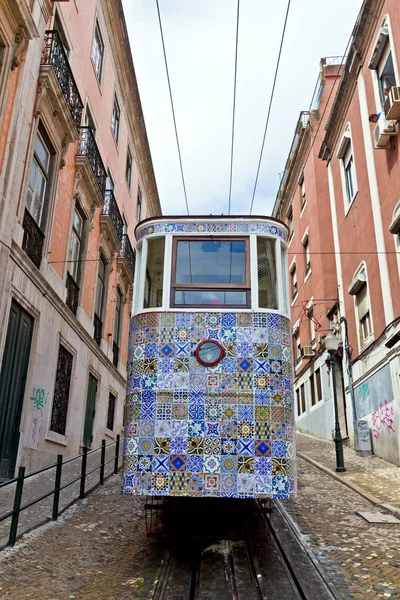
(331, 344)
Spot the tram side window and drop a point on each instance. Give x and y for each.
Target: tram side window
(210, 271)
(267, 289)
(153, 287)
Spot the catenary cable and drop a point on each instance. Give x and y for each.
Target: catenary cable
(172, 106)
(234, 104)
(270, 104)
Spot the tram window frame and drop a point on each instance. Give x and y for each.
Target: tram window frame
(210, 287)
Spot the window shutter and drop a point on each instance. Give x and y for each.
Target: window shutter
(266, 273)
(362, 302)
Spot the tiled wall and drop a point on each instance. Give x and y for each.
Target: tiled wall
(225, 431)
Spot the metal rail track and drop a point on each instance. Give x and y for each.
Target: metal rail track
(257, 564)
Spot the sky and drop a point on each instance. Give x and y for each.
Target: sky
(200, 45)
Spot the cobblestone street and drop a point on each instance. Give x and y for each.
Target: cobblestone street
(99, 548)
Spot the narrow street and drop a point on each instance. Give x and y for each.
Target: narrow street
(99, 548)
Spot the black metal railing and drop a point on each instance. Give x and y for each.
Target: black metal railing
(115, 354)
(54, 55)
(98, 329)
(72, 298)
(127, 253)
(32, 242)
(111, 210)
(88, 148)
(59, 486)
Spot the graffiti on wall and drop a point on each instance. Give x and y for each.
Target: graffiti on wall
(39, 398)
(370, 394)
(383, 420)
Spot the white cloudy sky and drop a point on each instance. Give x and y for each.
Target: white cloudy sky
(200, 42)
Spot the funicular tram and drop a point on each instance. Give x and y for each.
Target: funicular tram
(209, 405)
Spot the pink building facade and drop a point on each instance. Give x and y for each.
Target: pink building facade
(362, 170)
(75, 177)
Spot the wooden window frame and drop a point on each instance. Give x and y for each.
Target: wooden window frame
(175, 286)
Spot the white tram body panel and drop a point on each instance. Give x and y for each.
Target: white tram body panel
(209, 404)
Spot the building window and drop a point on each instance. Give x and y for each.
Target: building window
(347, 166)
(61, 391)
(109, 181)
(75, 245)
(298, 402)
(38, 181)
(117, 326)
(128, 170)
(364, 316)
(98, 52)
(302, 191)
(99, 300)
(297, 347)
(210, 272)
(319, 384)
(267, 292)
(293, 277)
(306, 253)
(89, 120)
(312, 390)
(139, 205)
(303, 399)
(311, 325)
(116, 119)
(111, 411)
(386, 75)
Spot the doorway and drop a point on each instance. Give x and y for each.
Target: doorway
(12, 385)
(90, 411)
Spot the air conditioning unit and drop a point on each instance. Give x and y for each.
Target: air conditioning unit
(392, 104)
(383, 131)
(307, 352)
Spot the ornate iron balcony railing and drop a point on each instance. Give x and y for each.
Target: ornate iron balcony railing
(111, 210)
(88, 148)
(98, 329)
(72, 294)
(54, 56)
(127, 253)
(32, 243)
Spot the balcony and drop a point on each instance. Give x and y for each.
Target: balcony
(88, 161)
(126, 258)
(72, 294)
(58, 88)
(32, 243)
(111, 221)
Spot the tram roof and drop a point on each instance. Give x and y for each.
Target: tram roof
(225, 218)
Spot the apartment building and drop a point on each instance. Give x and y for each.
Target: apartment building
(303, 203)
(360, 151)
(76, 176)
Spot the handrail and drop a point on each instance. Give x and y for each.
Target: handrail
(18, 507)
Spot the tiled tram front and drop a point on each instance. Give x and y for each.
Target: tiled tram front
(209, 408)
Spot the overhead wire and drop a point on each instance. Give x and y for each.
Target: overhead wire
(172, 106)
(234, 104)
(270, 104)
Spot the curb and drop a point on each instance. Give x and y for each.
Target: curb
(370, 497)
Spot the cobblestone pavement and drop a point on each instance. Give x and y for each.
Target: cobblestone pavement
(43, 483)
(361, 558)
(98, 550)
(372, 474)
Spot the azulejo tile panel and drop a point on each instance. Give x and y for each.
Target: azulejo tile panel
(262, 228)
(224, 431)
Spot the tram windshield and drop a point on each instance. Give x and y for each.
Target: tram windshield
(211, 272)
